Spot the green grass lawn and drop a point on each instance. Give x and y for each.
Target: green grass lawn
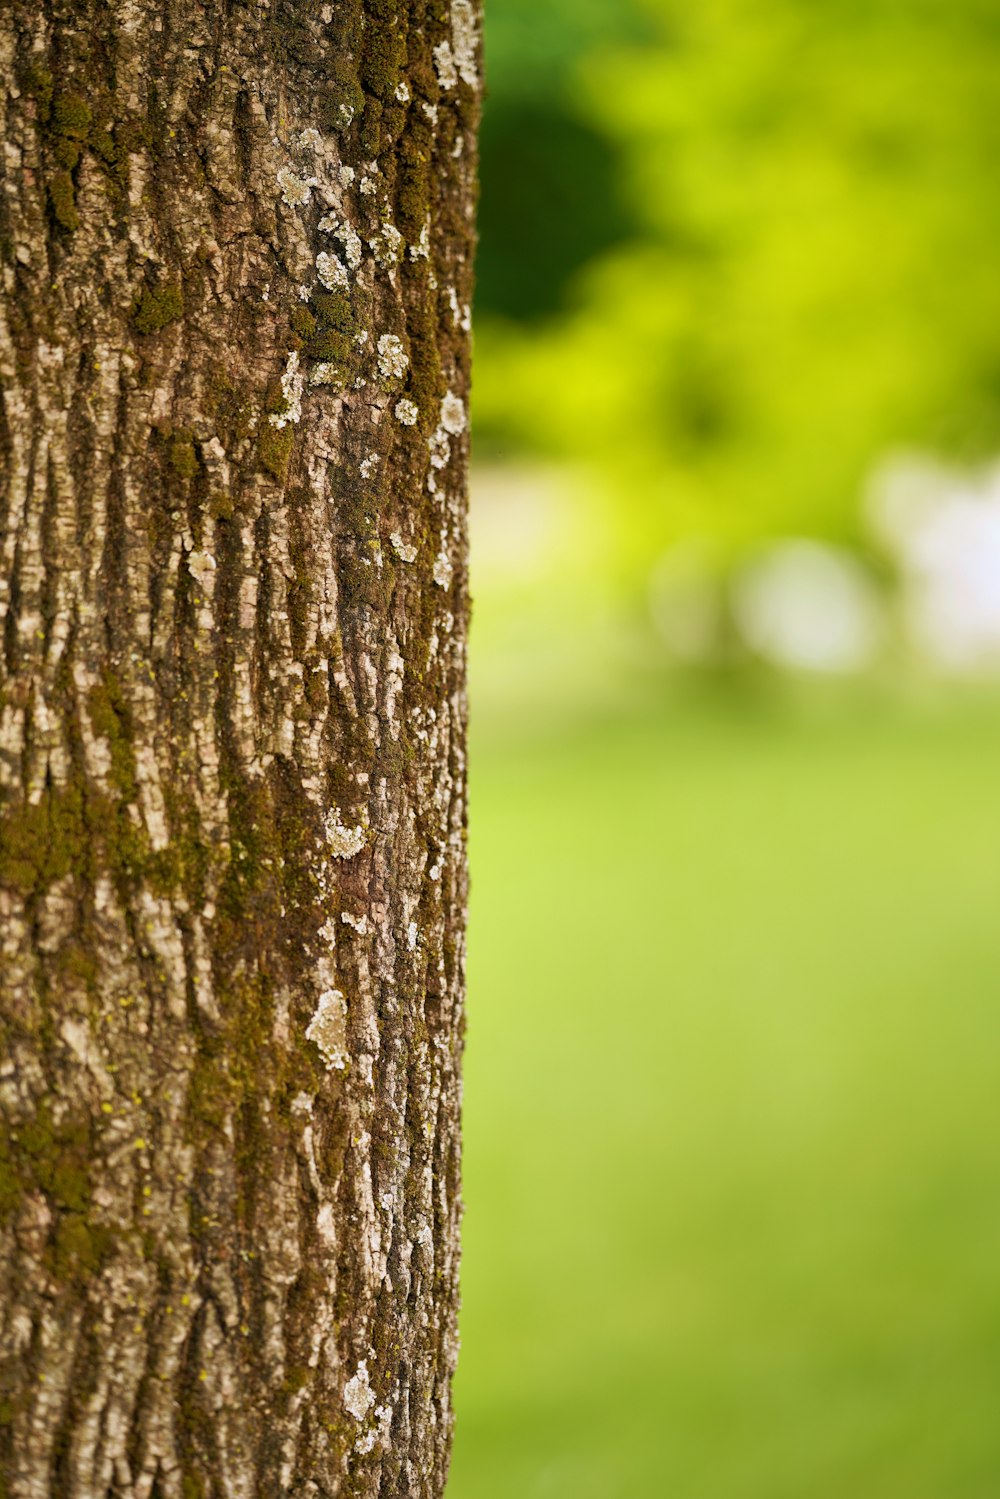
(733, 1108)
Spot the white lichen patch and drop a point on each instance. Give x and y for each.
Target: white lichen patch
(444, 65)
(328, 1029)
(342, 842)
(406, 412)
(368, 188)
(369, 465)
(358, 923)
(325, 373)
(386, 245)
(310, 140)
(465, 41)
(331, 272)
(346, 175)
(348, 236)
(422, 249)
(201, 565)
(393, 359)
(442, 569)
(359, 1397)
(402, 93)
(292, 383)
(453, 417)
(296, 191)
(412, 933)
(405, 551)
(461, 312)
(439, 446)
(457, 59)
(379, 1433)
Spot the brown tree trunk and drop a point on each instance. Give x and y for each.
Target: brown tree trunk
(236, 244)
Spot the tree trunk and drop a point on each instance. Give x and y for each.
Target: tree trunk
(236, 245)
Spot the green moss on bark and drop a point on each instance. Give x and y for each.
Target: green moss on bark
(71, 115)
(62, 200)
(274, 449)
(156, 307)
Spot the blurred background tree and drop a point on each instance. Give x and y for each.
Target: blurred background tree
(732, 252)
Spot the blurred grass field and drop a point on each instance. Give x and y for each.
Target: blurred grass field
(732, 1086)
(733, 1068)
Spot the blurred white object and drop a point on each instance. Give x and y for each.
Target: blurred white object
(521, 521)
(810, 606)
(943, 529)
(685, 602)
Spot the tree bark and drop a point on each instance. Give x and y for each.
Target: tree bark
(236, 257)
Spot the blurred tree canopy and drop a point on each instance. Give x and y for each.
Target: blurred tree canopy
(732, 252)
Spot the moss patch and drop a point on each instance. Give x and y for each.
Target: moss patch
(71, 115)
(155, 307)
(62, 200)
(274, 449)
(111, 718)
(181, 455)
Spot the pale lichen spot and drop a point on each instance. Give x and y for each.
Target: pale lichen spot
(292, 383)
(369, 465)
(386, 245)
(461, 312)
(453, 417)
(405, 551)
(201, 566)
(296, 191)
(402, 93)
(330, 271)
(346, 175)
(457, 59)
(359, 1397)
(310, 140)
(358, 923)
(328, 1029)
(325, 373)
(406, 412)
(348, 236)
(393, 359)
(412, 933)
(444, 65)
(368, 188)
(342, 842)
(442, 569)
(422, 249)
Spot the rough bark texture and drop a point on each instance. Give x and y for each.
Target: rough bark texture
(236, 273)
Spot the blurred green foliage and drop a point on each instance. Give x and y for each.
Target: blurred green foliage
(734, 251)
